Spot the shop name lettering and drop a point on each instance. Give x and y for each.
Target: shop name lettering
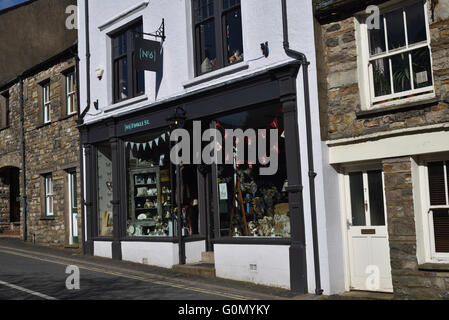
(147, 55)
(226, 310)
(136, 125)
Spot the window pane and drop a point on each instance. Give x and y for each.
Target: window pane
(357, 199)
(436, 183)
(422, 72)
(205, 34)
(122, 79)
(203, 9)
(151, 186)
(104, 190)
(416, 23)
(441, 229)
(233, 36)
(376, 198)
(230, 3)
(381, 74)
(401, 72)
(119, 45)
(395, 29)
(251, 204)
(377, 38)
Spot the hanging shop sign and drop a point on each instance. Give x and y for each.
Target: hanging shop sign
(148, 55)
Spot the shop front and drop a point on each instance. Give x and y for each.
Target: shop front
(166, 183)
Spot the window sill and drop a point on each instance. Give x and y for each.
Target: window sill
(216, 74)
(125, 103)
(404, 105)
(253, 240)
(439, 267)
(47, 218)
(43, 125)
(68, 116)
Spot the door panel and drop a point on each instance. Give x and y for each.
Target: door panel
(367, 232)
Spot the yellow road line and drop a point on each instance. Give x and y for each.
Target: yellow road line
(123, 275)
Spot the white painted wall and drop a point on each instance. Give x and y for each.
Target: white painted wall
(273, 264)
(262, 21)
(194, 250)
(103, 249)
(161, 254)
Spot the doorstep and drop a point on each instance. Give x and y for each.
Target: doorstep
(201, 269)
(362, 295)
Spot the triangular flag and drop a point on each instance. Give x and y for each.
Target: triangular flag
(156, 141)
(163, 136)
(132, 145)
(144, 146)
(151, 144)
(127, 144)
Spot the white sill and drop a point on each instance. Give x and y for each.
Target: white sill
(399, 104)
(216, 74)
(125, 103)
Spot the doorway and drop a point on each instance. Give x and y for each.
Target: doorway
(367, 232)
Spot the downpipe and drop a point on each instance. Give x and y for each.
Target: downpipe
(301, 57)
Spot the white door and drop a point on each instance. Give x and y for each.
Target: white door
(369, 251)
(73, 210)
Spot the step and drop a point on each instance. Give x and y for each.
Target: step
(208, 257)
(206, 270)
(11, 232)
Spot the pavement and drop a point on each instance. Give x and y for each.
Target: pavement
(31, 272)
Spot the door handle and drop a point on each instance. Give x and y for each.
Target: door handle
(348, 223)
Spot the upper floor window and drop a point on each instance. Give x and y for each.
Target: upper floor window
(128, 82)
(4, 110)
(46, 108)
(399, 56)
(70, 91)
(217, 33)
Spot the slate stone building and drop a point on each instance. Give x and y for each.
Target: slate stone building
(39, 139)
(384, 105)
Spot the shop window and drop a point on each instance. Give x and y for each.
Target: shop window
(4, 110)
(398, 56)
(70, 91)
(438, 182)
(217, 34)
(104, 190)
(128, 82)
(151, 186)
(46, 105)
(48, 195)
(252, 204)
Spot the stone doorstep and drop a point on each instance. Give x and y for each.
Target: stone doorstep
(208, 257)
(201, 269)
(367, 295)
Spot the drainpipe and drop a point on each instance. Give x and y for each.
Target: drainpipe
(301, 57)
(79, 121)
(22, 154)
(86, 23)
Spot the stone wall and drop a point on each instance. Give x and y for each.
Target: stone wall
(409, 282)
(340, 96)
(50, 148)
(9, 154)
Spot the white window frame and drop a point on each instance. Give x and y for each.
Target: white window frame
(365, 69)
(46, 105)
(48, 195)
(70, 82)
(427, 210)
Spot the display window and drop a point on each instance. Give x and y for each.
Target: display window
(252, 204)
(104, 190)
(151, 186)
